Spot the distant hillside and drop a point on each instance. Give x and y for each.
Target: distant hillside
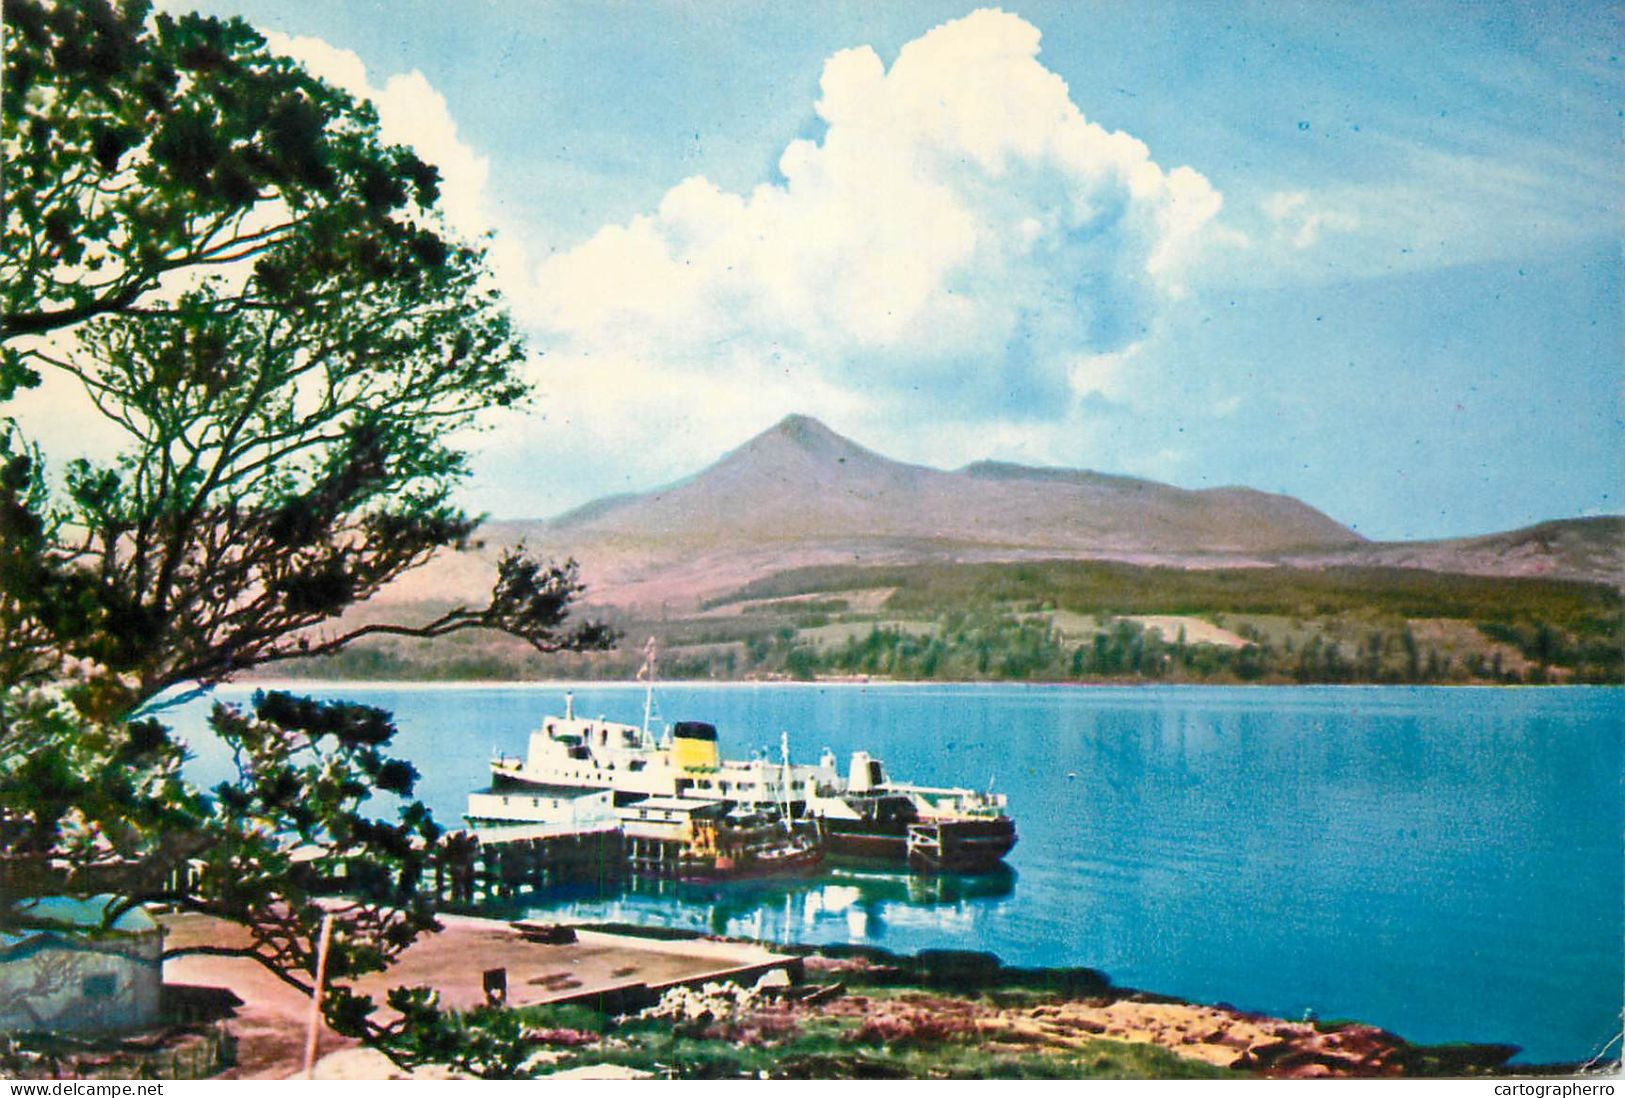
(803, 554)
(1071, 620)
(799, 495)
(1591, 549)
(800, 482)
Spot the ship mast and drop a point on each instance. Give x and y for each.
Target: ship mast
(647, 673)
(784, 775)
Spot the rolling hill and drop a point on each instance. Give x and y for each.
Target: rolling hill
(1590, 549)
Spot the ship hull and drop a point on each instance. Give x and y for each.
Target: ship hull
(924, 846)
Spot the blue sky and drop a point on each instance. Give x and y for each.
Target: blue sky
(1366, 254)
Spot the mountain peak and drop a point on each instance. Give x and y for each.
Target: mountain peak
(799, 421)
(805, 430)
(805, 436)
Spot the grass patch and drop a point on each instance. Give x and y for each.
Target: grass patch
(824, 1052)
(1087, 587)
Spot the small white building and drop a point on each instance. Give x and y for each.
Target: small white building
(560, 807)
(63, 971)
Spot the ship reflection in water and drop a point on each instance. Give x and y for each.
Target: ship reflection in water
(837, 906)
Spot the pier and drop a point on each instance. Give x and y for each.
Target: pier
(496, 863)
(614, 972)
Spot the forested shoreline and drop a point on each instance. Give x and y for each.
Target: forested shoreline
(1085, 621)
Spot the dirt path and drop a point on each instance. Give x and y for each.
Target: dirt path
(270, 1021)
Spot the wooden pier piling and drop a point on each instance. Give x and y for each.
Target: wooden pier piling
(501, 863)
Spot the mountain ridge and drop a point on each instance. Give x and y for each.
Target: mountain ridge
(799, 480)
(800, 494)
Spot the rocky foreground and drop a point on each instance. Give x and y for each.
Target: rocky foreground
(850, 996)
(863, 1013)
(617, 1001)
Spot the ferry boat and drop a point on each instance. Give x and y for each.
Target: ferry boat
(863, 817)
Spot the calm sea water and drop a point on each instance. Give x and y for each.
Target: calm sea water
(1446, 863)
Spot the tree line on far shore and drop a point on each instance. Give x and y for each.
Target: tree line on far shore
(1074, 621)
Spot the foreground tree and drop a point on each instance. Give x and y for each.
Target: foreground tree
(139, 147)
(256, 296)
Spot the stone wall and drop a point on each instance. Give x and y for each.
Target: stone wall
(63, 981)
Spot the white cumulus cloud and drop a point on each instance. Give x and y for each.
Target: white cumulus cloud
(412, 112)
(960, 243)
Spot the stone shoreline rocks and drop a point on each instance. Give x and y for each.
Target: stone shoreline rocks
(1219, 1035)
(935, 1000)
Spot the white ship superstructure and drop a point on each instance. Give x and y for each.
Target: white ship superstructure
(577, 751)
